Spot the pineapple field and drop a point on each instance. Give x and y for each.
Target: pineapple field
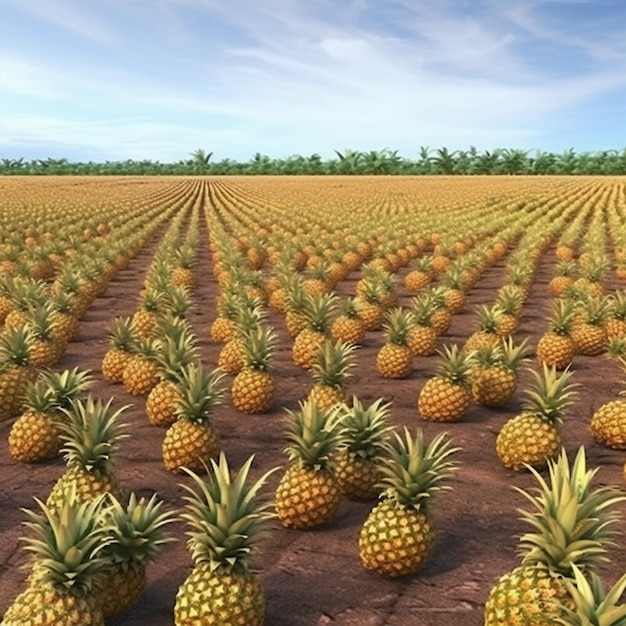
(305, 401)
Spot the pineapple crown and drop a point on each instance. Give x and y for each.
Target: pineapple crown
(67, 385)
(415, 468)
(510, 299)
(595, 309)
(39, 397)
(177, 301)
(201, 392)
(617, 302)
(67, 543)
(550, 393)
(514, 355)
(562, 317)
(225, 514)
(92, 433)
(15, 346)
(314, 434)
(334, 362)
(397, 325)
(488, 317)
(423, 307)
(318, 310)
(121, 335)
(259, 345)
(136, 531)
(455, 364)
(593, 605)
(571, 521)
(367, 430)
(176, 349)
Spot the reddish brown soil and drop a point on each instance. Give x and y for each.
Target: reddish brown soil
(314, 577)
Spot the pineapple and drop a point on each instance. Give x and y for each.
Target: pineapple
(318, 310)
(66, 548)
(91, 437)
(120, 352)
(141, 373)
(395, 357)
(35, 434)
(398, 534)
(135, 534)
(441, 317)
(348, 326)
(446, 396)
(308, 494)
(370, 305)
(422, 336)
(226, 517)
(224, 326)
(192, 439)
(487, 333)
(176, 350)
(494, 376)
(358, 461)
(589, 334)
(532, 437)
(556, 347)
(608, 423)
(16, 370)
(420, 274)
(252, 390)
(615, 324)
(46, 347)
(571, 527)
(145, 319)
(510, 302)
(330, 372)
(566, 272)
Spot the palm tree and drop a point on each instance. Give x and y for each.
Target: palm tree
(200, 161)
(349, 160)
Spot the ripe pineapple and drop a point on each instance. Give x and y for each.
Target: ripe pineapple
(510, 302)
(420, 274)
(16, 370)
(446, 396)
(566, 273)
(556, 347)
(422, 336)
(192, 439)
(330, 373)
(91, 436)
(308, 493)
(532, 437)
(145, 319)
(120, 352)
(252, 390)
(35, 434)
(615, 324)
(46, 347)
(226, 517)
(348, 326)
(494, 376)
(141, 373)
(589, 333)
(487, 332)
(441, 317)
(318, 310)
(571, 527)
(395, 357)
(224, 326)
(370, 305)
(608, 423)
(358, 460)
(135, 534)
(66, 559)
(398, 534)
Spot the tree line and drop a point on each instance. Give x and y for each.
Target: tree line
(501, 161)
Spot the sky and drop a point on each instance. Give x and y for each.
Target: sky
(158, 79)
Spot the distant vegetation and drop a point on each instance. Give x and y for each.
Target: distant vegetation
(427, 162)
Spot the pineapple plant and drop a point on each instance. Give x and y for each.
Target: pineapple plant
(35, 434)
(135, 534)
(358, 460)
(308, 494)
(510, 302)
(487, 331)
(252, 390)
(348, 326)
(226, 517)
(66, 549)
(144, 320)
(120, 351)
(441, 317)
(395, 357)
(330, 373)
(446, 396)
(318, 310)
(141, 373)
(420, 274)
(571, 526)
(589, 333)
(398, 534)
(192, 439)
(46, 347)
(90, 440)
(494, 377)
(566, 274)
(422, 336)
(370, 305)
(532, 438)
(608, 422)
(556, 346)
(615, 324)
(16, 370)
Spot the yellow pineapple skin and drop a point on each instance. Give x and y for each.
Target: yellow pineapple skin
(253, 391)
(144, 324)
(422, 340)
(189, 444)
(296, 322)
(161, 403)
(41, 604)
(371, 313)
(222, 330)
(306, 498)
(231, 357)
(114, 362)
(608, 424)
(493, 386)
(589, 339)
(45, 354)
(615, 327)
(527, 595)
(395, 541)
(394, 361)
(527, 440)
(556, 350)
(358, 478)
(117, 588)
(34, 436)
(13, 383)
(220, 598)
(326, 396)
(140, 376)
(440, 400)
(441, 319)
(306, 346)
(481, 339)
(507, 325)
(416, 280)
(348, 329)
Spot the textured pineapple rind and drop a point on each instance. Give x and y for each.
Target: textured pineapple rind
(608, 424)
(393, 361)
(442, 401)
(252, 391)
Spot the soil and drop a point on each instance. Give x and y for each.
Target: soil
(314, 577)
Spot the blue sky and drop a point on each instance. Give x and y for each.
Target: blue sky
(157, 79)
